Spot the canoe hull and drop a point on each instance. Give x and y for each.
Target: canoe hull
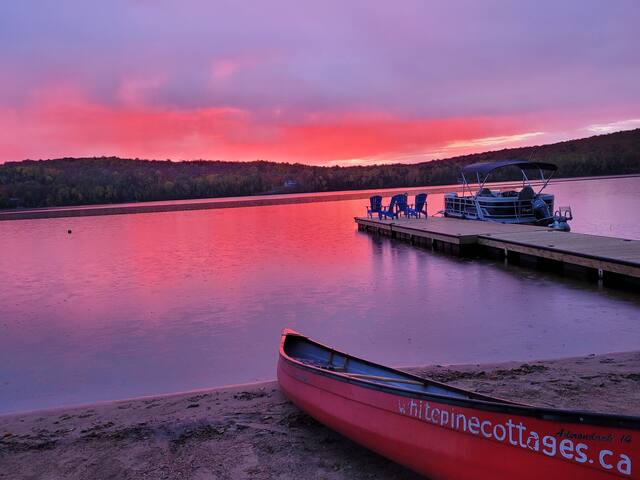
(444, 441)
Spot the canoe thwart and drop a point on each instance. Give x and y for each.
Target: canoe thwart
(378, 378)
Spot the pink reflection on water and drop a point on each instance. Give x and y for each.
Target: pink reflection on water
(141, 304)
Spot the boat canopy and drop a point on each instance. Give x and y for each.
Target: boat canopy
(485, 168)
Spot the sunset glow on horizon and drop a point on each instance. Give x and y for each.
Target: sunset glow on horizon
(325, 84)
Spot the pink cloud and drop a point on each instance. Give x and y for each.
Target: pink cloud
(328, 82)
(136, 90)
(65, 123)
(224, 69)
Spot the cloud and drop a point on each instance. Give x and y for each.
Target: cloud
(492, 141)
(603, 128)
(67, 122)
(323, 82)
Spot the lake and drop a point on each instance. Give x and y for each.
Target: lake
(132, 305)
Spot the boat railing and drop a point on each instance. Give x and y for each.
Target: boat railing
(507, 207)
(564, 213)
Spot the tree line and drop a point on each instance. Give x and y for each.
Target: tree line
(81, 181)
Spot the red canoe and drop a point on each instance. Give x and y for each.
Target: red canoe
(444, 432)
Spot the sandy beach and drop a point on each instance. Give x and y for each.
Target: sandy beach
(254, 432)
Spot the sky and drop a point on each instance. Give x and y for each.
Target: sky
(329, 82)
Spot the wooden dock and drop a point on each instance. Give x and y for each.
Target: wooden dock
(614, 261)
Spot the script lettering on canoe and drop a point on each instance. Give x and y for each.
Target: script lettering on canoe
(597, 449)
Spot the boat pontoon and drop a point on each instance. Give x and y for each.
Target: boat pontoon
(524, 206)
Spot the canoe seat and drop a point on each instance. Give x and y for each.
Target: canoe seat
(323, 365)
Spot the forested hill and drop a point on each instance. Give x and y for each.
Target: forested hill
(76, 181)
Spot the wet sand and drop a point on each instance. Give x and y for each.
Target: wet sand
(253, 432)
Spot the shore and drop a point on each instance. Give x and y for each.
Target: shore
(254, 432)
(249, 201)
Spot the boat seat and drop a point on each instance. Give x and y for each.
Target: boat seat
(526, 193)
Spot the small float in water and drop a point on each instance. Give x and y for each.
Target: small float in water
(445, 432)
(524, 206)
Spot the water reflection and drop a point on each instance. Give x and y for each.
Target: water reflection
(143, 304)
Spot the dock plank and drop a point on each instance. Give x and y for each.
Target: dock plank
(449, 227)
(616, 255)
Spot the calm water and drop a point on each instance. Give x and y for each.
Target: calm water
(133, 305)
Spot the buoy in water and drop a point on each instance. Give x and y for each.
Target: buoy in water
(68, 231)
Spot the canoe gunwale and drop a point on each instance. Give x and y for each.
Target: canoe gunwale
(483, 403)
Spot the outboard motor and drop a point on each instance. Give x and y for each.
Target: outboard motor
(540, 208)
(561, 219)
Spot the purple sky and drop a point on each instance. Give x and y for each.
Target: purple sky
(315, 82)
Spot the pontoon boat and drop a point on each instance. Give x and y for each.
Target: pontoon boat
(524, 206)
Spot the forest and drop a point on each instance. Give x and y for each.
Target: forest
(81, 181)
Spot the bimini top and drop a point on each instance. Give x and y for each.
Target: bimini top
(485, 168)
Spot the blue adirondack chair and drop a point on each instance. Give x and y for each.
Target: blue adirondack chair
(403, 206)
(394, 207)
(419, 206)
(375, 205)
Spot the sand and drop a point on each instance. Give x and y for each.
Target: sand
(254, 432)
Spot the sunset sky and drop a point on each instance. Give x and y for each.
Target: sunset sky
(325, 82)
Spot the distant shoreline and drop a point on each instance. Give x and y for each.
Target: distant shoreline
(229, 432)
(236, 202)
